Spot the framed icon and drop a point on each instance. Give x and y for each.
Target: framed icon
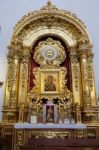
(50, 81)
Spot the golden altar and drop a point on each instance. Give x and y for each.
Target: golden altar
(50, 71)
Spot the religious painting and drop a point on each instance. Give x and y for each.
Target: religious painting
(50, 82)
(50, 114)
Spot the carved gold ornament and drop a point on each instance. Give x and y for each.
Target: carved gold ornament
(49, 52)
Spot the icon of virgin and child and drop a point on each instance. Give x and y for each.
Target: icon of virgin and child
(49, 84)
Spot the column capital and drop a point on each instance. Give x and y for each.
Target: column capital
(83, 54)
(90, 54)
(74, 56)
(86, 53)
(84, 44)
(25, 55)
(84, 48)
(14, 51)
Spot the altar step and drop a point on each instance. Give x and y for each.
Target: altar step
(61, 144)
(5, 143)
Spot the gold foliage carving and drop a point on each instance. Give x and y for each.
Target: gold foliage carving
(48, 17)
(50, 53)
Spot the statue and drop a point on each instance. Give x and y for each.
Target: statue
(50, 114)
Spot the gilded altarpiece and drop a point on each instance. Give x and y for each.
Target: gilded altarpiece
(50, 47)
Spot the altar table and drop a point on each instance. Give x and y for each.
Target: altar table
(25, 131)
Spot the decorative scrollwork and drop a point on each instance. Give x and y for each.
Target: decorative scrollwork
(49, 53)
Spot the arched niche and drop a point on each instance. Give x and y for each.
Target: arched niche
(65, 63)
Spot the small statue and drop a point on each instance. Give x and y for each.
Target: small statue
(50, 114)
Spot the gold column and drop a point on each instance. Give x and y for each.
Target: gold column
(23, 84)
(84, 72)
(12, 78)
(78, 113)
(91, 76)
(8, 82)
(11, 91)
(21, 112)
(76, 80)
(23, 81)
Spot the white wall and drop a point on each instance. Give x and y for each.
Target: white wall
(11, 12)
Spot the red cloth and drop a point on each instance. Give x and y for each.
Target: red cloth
(66, 64)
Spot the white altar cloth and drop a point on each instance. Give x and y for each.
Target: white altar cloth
(48, 126)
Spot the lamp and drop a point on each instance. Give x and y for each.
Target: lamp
(1, 83)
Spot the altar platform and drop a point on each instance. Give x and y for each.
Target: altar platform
(25, 131)
(48, 126)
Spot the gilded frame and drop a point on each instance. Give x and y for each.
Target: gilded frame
(55, 74)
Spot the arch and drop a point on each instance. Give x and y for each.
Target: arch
(49, 20)
(34, 36)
